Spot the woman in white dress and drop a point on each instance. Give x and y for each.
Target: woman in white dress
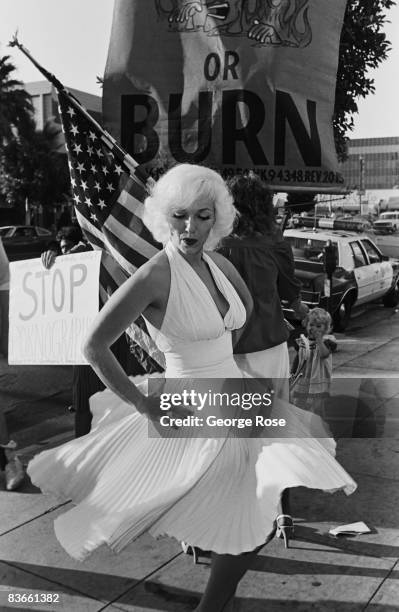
(219, 493)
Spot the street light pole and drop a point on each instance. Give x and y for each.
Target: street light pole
(27, 212)
(361, 168)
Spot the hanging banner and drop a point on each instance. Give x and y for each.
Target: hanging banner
(235, 85)
(52, 310)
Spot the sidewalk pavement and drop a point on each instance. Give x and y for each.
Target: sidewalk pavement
(318, 572)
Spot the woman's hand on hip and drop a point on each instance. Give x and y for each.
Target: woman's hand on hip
(151, 407)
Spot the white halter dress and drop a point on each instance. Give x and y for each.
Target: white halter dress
(220, 494)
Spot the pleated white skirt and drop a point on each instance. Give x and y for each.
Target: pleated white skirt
(219, 494)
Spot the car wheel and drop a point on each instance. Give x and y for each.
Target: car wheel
(343, 313)
(391, 299)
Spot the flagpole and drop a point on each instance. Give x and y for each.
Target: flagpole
(110, 140)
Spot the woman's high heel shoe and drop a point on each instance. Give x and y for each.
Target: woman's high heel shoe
(285, 528)
(195, 552)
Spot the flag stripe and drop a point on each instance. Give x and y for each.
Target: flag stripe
(116, 272)
(92, 231)
(124, 250)
(135, 188)
(139, 336)
(130, 240)
(131, 203)
(127, 217)
(107, 280)
(95, 242)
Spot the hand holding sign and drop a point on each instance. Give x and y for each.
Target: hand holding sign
(51, 310)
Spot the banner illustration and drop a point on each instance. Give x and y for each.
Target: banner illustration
(234, 85)
(266, 22)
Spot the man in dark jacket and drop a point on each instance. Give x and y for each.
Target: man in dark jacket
(85, 381)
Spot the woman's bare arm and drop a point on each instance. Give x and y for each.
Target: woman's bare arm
(324, 351)
(146, 288)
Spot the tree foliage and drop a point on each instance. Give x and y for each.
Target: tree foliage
(29, 165)
(30, 168)
(363, 46)
(16, 109)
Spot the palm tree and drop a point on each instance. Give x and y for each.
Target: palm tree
(16, 109)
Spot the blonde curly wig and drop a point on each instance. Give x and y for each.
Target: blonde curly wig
(180, 187)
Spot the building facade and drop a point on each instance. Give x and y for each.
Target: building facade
(373, 163)
(45, 104)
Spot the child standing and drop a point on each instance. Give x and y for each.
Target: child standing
(312, 367)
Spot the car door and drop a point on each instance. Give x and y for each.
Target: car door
(364, 275)
(382, 270)
(23, 243)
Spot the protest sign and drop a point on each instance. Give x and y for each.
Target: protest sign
(51, 310)
(234, 85)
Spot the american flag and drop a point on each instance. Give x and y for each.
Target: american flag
(108, 192)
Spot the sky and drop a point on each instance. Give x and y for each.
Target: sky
(70, 38)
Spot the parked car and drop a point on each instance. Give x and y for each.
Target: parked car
(387, 222)
(362, 223)
(25, 241)
(356, 223)
(363, 274)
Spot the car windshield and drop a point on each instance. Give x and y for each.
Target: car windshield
(308, 248)
(6, 231)
(389, 216)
